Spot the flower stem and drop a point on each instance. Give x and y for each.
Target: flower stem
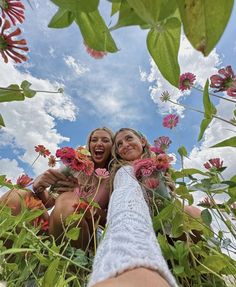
(200, 90)
(37, 91)
(35, 160)
(201, 112)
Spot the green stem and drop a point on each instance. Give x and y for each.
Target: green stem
(201, 112)
(37, 91)
(200, 90)
(35, 160)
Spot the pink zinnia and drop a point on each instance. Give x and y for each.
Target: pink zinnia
(206, 202)
(8, 46)
(162, 142)
(52, 161)
(41, 149)
(102, 173)
(44, 224)
(186, 81)
(170, 121)
(144, 167)
(163, 161)
(14, 9)
(165, 96)
(156, 150)
(93, 53)
(66, 154)
(224, 81)
(24, 180)
(214, 163)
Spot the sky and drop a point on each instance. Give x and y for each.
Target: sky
(120, 90)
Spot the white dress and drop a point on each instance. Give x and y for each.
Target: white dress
(129, 241)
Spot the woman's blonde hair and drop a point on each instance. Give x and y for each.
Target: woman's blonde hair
(117, 161)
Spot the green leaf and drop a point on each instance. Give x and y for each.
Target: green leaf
(127, 17)
(2, 124)
(25, 86)
(73, 217)
(186, 172)
(95, 32)
(63, 18)
(115, 7)
(228, 142)
(17, 250)
(204, 21)
(148, 10)
(14, 94)
(3, 179)
(206, 217)
(163, 45)
(182, 151)
(50, 275)
(204, 124)
(208, 106)
(77, 5)
(215, 262)
(168, 8)
(73, 233)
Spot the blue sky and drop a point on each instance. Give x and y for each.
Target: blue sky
(121, 90)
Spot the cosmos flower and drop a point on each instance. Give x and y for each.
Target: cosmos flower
(24, 180)
(93, 53)
(186, 81)
(41, 149)
(8, 46)
(14, 9)
(170, 121)
(101, 173)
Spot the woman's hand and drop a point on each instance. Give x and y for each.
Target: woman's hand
(170, 183)
(54, 177)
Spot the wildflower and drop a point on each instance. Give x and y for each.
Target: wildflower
(165, 96)
(163, 161)
(156, 150)
(52, 161)
(144, 167)
(93, 53)
(42, 150)
(151, 183)
(82, 205)
(14, 9)
(39, 221)
(170, 121)
(225, 81)
(8, 45)
(186, 81)
(33, 203)
(214, 164)
(7, 181)
(66, 154)
(101, 173)
(162, 142)
(24, 180)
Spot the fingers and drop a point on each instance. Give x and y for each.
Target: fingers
(62, 189)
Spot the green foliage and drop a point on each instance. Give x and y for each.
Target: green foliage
(228, 142)
(182, 151)
(204, 21)
(62, 19)
(2, 124)
(163, 45)
(86, 6)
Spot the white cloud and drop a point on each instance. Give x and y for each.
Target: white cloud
(32, 122)
(78, 68)
(190, 61)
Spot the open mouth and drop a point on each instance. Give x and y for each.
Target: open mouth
(99, 153)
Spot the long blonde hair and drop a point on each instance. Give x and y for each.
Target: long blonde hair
(117, 161)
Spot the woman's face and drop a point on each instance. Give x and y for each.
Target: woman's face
(100, 148)
(129, 146)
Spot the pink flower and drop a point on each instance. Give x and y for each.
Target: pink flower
(144, 167)
(82, 205)
(170, 121)
(24, 180)
(225, 81)
(156, 150)
(14, 9)
(163, 161)
(162, 142)
(44, 224)
(66, 155)
(7, 181)
(214, 164)
(186, 81)
(206, 202)
(151, 182)
(41, 149)
(8, 46)
(102, 173)
(165, 96)
(93, 53)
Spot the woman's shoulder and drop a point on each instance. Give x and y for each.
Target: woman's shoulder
(125, 170)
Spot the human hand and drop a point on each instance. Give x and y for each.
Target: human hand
(67, 185)
(170, 183)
